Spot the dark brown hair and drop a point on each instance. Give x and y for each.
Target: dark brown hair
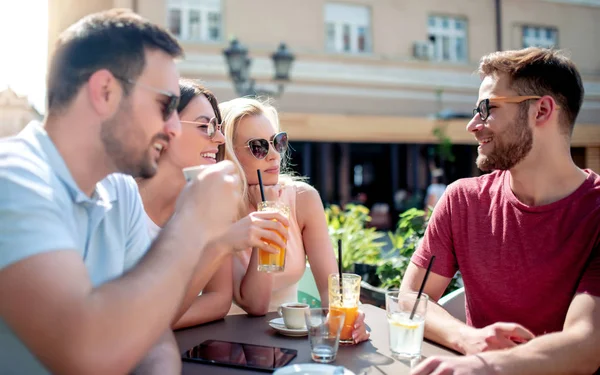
(189, 90)
(540, 71)
(115, 40)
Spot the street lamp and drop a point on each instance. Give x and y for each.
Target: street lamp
(239, 63)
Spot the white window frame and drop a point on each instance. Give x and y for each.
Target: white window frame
(355, 17)
(529, 39)
(204, 8)
(452, 33)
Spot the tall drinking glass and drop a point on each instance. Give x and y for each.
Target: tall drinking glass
(406, 335)
(270, 262)
(345, 299)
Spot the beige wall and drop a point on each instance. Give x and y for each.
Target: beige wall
(390, 129)
(63, 13)
(262, 24)
(578, 28)
(385, 87)
(395, 24)
(154, 10)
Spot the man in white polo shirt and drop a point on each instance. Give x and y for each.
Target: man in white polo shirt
(82, 291)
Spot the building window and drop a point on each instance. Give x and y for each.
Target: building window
(448, 36)
(175, 21)
(214, 25)
(546, 37)
(195, 20)
(347, 28)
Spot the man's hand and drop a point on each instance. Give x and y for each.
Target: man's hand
(212, 198)
(493, 337)
(470, 365)
(258, 229)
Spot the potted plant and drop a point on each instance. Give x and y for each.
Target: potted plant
(405, 241)
(361, 246)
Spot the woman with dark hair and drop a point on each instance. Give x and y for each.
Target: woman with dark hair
(209, 294)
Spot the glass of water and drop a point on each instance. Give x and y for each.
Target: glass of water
(324, 327)
(406, 334)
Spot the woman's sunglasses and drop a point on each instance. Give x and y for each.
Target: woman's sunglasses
(260, 147)
(210, 128)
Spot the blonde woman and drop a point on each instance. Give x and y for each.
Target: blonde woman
(254, 141)
(199, 144)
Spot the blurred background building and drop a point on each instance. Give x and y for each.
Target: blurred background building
(15, 112)
(380, 91)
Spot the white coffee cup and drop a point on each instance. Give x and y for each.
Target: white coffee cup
(190, 173)
(293, 314)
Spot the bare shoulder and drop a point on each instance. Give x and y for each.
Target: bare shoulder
(305, 193)
(308, 203)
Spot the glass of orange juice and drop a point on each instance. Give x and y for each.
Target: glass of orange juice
(270, 262)
(345, 297)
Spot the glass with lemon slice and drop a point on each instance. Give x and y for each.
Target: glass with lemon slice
(406, 334)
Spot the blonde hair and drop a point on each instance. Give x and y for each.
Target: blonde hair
(233, 111)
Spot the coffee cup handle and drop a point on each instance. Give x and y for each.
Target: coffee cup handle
(280, 311)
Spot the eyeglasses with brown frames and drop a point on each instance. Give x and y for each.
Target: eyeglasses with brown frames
(483, 108)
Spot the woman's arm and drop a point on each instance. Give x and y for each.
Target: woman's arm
(317, 244)
(315, 236)
(214, 302)
(251, 288)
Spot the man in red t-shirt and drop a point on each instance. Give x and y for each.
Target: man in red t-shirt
(525, 237)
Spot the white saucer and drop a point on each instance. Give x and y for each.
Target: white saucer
(278, 325)
(310, 369)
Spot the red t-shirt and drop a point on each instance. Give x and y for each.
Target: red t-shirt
(519, 263)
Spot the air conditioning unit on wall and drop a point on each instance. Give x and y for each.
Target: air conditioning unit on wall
(423, 50)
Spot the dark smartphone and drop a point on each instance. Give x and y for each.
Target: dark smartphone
(239, 355)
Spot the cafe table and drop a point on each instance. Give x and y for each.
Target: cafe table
(367, 358)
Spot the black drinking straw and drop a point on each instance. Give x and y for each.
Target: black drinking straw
(422, 287)
(260, 184)
(340, 270)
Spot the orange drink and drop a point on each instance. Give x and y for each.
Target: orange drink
(345, 299)
(350, 313)
(270, 262)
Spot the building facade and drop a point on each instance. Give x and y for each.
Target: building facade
(370, 75)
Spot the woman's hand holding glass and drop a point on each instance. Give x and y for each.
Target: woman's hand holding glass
(360, 333)
(258, 229)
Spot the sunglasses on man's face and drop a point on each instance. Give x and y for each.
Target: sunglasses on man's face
(483, 108)
(259, 147)
(169, 105)
(210, 128)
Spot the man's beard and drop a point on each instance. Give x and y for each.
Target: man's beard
(121, 138)
(510, 147)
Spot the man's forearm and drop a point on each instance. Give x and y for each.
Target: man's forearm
(124, 317)
(556, 353)
(162, 359)
(443, 328)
